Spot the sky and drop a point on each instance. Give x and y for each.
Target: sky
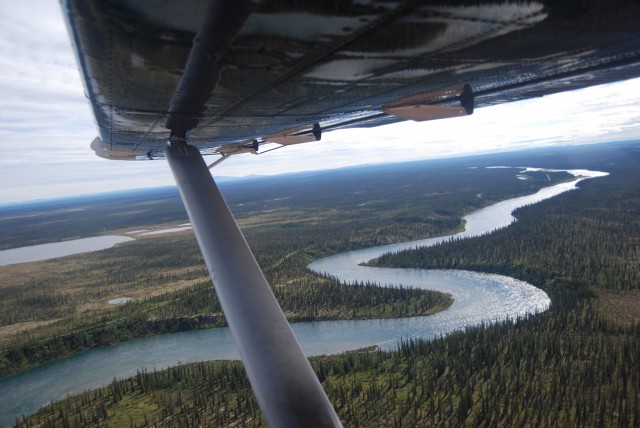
(46, 124)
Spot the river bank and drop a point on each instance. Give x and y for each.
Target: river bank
(494, 297)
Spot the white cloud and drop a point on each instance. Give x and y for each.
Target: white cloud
(597, 114)
(46, 124)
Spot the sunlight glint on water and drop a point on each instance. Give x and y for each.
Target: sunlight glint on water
(478, 298)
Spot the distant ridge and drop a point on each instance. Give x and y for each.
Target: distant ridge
(563, 155)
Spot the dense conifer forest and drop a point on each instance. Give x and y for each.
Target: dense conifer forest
(55, 308)
(574, 365)
(584, 242)
(566, 368)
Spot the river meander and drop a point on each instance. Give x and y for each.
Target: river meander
(478, 298)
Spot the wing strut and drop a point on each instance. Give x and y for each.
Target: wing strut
(287, 389)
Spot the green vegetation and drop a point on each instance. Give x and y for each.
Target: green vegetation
(567, 368)
(60, 220)
(54, 308)
(197, 307)
(579, 243)
(574, 365)
(384, 202)
(193, 306)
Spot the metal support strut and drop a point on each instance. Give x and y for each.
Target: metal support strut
(287, 389)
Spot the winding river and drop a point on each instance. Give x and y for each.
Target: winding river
(478, 298)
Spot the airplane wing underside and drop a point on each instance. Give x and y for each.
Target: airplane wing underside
(240, 74)
(229, 76)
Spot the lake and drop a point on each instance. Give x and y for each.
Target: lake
(35, 253)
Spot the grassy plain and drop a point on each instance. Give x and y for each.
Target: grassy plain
(57, 307)
(574, 365)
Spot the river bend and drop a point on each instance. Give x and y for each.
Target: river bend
(478, 298)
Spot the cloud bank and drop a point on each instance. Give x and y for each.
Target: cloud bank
(46, 124)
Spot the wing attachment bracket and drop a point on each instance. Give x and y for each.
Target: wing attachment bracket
(432, 105)
(235, 149)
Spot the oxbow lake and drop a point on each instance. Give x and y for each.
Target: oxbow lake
(479, 298)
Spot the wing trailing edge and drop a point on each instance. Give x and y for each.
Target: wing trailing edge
(227, 73)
